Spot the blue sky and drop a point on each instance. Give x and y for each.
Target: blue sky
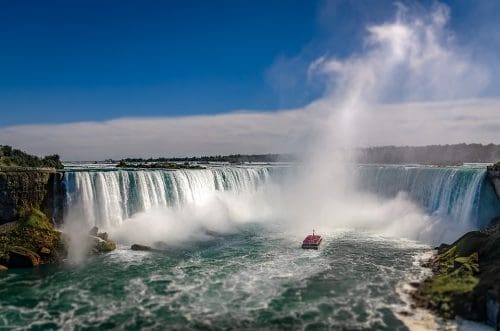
(91, 60)
(67, 61)
(97, 79)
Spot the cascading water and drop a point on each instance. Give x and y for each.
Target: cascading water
(106, 198)
(455, 194)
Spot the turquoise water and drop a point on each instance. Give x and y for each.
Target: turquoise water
(458, 195)
(252, 279)
(255, 276)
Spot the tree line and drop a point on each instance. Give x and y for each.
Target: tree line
(433, 154)
(11, 157)
(232, 158)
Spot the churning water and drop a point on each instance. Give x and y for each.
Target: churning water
(106, 198)
(254, 279)
(249, 273)
(453, 200)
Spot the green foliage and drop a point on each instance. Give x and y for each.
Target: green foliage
(36, 219)
(159, 165)
(52, 161)
(457, 275)
(446, 260)
(495, 167)
(455, 283)
(469, 263)
(14, 157)
(108, 246)
(98, 245)
(454, 276)
(33, 231)
(233, 158)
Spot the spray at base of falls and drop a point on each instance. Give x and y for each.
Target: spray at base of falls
(107, 198)
(148, 206)
(424, 203)
(458, 197)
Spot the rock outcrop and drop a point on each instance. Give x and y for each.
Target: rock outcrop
(30, 241)
(466, 278)
(493, 175)
(20, 257)
(137, 247)
(158, 246)
(99, 245)
(99, 242)
(22, 189)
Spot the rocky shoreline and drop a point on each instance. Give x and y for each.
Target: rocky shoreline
(23, 188)
(32, 241)
(493, 175)
(465, 278)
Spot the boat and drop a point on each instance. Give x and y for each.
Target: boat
(312, 241)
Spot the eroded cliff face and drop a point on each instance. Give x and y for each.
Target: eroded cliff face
(494, 177)
(26, 188)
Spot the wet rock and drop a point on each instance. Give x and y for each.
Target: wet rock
(25, 188)
(99, 245)
(414, 284)
(493, 309)
(20, 257)
(137, 247)
(466, 278)
(100, 242)
(441, 248)
(103, 236)
(109, 245)
(33, 232)
(493, 227)
(493, 174)
(3, 268)
(94, 231)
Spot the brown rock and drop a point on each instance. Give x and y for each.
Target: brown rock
(98, 245)
(44, 251)
(103, 236)
(137, 247)
(3, 268)
(20, 257)
(25, 188)
(93, 231)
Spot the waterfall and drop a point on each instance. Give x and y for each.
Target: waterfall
(106, 198)
(457, 195)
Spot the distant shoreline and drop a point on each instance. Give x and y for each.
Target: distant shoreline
(440, 155)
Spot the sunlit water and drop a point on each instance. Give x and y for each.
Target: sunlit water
(254, 276)
(252, 279)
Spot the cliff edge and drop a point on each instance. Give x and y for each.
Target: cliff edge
(466, 278)
(23, 189)
(493, 174)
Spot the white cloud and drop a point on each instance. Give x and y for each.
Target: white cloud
(473, 120)
(192, 135)
(413, 60)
